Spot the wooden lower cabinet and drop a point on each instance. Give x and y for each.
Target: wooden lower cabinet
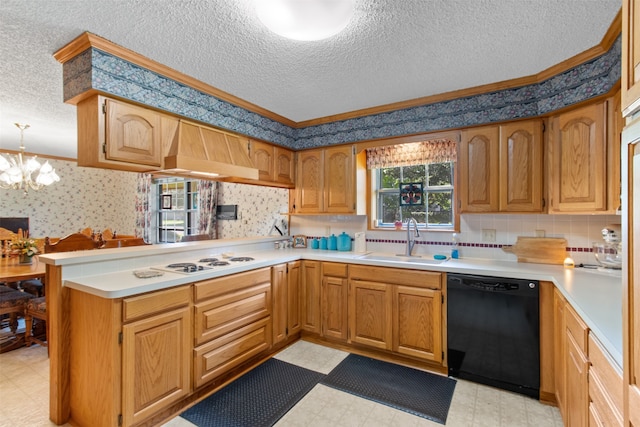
(131, 357)
(370, 306)
(416, 312)
(310, 283)
(232, 322)
(335, 289)
(286, 300)
(398, 310)
(155, 364)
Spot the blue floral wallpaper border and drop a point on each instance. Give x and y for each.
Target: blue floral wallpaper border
(95, 69)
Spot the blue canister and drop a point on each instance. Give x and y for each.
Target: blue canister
(323, 243)
(333, 243)
(344, 242)
(315, 244)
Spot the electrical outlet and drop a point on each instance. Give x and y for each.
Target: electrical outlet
(540, 233)
(327, 230)
(488, 235)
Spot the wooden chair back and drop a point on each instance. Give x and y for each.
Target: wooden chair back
(72, 242)
(121, 243)
(107, 234)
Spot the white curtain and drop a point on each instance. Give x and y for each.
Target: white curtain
(207, 207)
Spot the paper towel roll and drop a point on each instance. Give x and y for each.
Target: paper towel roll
(360, 242)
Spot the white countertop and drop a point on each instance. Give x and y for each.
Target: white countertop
(596, 296)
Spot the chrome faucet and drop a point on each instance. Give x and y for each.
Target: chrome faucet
(411, 239)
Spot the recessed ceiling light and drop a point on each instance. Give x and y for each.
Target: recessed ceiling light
(305, 19)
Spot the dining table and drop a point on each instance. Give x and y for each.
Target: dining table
(12, 271)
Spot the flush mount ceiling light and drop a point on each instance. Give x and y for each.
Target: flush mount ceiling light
(16, 171)
(305, 20)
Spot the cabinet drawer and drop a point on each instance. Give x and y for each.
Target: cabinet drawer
(214, 287)
(603, 409)
(225, 313)
(219, 356)
(398, 276)
(579, 331)
(154, 302)
(605, 376)
(334, 269)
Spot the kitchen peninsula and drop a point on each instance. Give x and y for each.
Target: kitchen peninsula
(101, 314)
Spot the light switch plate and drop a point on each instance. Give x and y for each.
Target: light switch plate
(488, 235)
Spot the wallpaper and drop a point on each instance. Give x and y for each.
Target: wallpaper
(258, 208)
(102, 198)
(95, 69)
(84, 197)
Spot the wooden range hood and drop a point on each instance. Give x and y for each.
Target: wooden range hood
(205, 153)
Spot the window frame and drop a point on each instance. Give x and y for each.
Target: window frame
(188, 213)
(375, 204)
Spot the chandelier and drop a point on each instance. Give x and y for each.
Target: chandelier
(15, 172)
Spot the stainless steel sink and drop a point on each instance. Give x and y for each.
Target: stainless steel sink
(403, 258)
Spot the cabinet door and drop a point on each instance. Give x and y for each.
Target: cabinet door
(284, 166)
(310, 182)
(262, 155)
(334, 307)
(631, 273)
(310, 282)
(521, 167)
(577, 161)
(630, 56)
(339, 180)
(479, 170)
(576, 370)
(280, 302)
(559, 341)
(417, 322)
(132, 134)
(370, 306)
(156, 364)
(294, 322)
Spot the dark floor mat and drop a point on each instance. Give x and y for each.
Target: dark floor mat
(417, 392)
(258, 398)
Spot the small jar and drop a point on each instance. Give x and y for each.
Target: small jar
(276, 245)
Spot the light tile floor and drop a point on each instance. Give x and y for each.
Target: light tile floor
(24, 392)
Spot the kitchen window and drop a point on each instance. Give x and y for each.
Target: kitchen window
(430, 164)
(177, 207)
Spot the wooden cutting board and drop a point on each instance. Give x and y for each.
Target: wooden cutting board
(539, 250)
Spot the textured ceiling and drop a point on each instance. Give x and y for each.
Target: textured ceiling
(393, 50)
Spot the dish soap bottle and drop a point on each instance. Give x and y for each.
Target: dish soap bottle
(455, 254)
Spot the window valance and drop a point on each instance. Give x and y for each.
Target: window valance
(410, 154)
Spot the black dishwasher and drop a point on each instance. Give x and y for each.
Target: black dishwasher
(493, 332)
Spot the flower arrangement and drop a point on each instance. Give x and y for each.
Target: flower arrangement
(24, 246)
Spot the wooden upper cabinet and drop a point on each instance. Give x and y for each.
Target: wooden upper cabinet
(479, 170)
(132, 134)
(630, 56)
(339, 179)
(521, 167)
(117, 135)
(326, 181)
(501, 168)
(578, 160)
(310, 177)
(275, 164)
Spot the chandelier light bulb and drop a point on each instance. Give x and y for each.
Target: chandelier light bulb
(15, 173)
(305, 20)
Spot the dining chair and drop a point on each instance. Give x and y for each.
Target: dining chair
(121, 243)
(13, 304)
(37, 307)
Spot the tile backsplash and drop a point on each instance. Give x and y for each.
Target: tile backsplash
(579, 230)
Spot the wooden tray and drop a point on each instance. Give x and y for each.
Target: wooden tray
(539, 250)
